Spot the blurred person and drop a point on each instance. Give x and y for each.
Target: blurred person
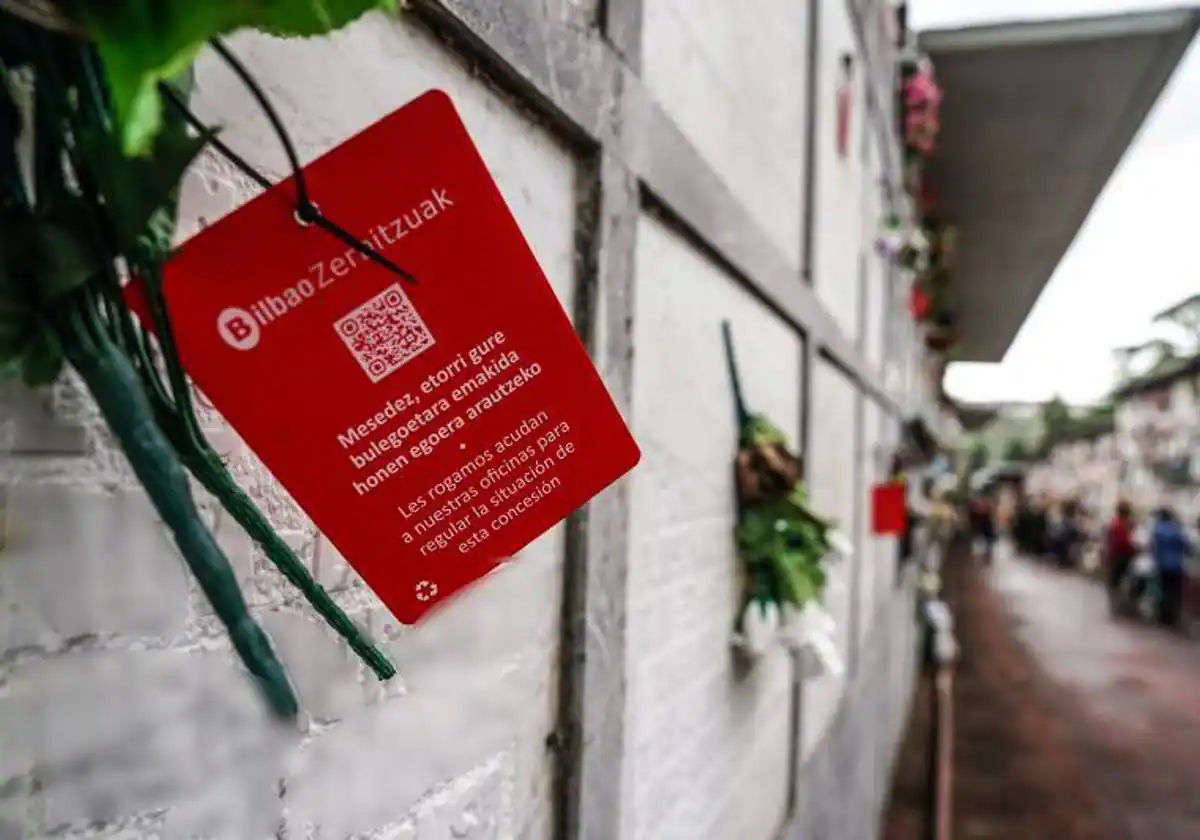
(1025, 526)
(1090, 542)
(943, 521)
(1039, 528)
(1120, 548)
(1065, 538)
(1052, 532)
(1170, 547)
(906, 545)
(983, 528)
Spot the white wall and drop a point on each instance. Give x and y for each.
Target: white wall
(833, 491)
(839, 188)
(733, 78)
(878, 295)
(136, 722)
(708, 746)
(871, 556)
(153, 694)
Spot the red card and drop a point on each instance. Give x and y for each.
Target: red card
(888, 509)
(431, 430)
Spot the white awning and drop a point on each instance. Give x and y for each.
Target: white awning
(1036, 117)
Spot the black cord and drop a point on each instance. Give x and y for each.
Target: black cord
(307, 212)
(304, 205)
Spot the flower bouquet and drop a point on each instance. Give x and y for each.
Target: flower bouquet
(783, 544)
(921, 99)
(903, 244)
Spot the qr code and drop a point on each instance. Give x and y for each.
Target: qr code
(385, 333)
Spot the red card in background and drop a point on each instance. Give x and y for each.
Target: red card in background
(888, 509)
(844, 104)
(433, 430)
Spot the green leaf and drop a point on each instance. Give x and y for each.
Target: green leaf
(15, 323)
(788, 540)
(313, 17)
(65, 259)
(10, 369)
(27, 350)
(42, 361)
(763, 431)
(756, 527)
(16, 318)
(141, 193)
(144, 42)
(794, 580)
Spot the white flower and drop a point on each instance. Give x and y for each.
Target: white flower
(839, 543)
(821, 658)
(809, 633)
(760, 627)
(888, 245)
(800, 624)
(939, 615)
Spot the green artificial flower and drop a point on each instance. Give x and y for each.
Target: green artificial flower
(48, 254)
(144, 42)
(763, 431)
(787, 541)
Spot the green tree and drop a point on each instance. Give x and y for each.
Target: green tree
(1015, 451)
(1057, 424)
(1185, 318)
(977, 457)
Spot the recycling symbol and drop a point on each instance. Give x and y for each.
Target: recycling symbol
(426, 590)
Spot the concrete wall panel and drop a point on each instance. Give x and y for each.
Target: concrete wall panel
(707, 754)
(733, 78)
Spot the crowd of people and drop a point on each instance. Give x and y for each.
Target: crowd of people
(1059, 533)
(1167, 543)
(1133, 554)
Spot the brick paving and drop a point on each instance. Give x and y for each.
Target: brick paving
(1068, 725)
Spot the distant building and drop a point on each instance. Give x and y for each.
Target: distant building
(1149, 456)
(1085, 467)
(1158, 437)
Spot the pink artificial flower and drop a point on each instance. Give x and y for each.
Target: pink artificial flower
(922, 100)
(920, 90)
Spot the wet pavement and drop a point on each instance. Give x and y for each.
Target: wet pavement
(1068, 724)
(1138, 693)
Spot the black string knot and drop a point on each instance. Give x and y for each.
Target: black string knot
(306, 211)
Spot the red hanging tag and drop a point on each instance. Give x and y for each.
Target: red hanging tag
(918, 305)
(431, 430)
(888, 509)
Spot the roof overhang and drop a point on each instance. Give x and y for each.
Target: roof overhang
(1036, 117)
